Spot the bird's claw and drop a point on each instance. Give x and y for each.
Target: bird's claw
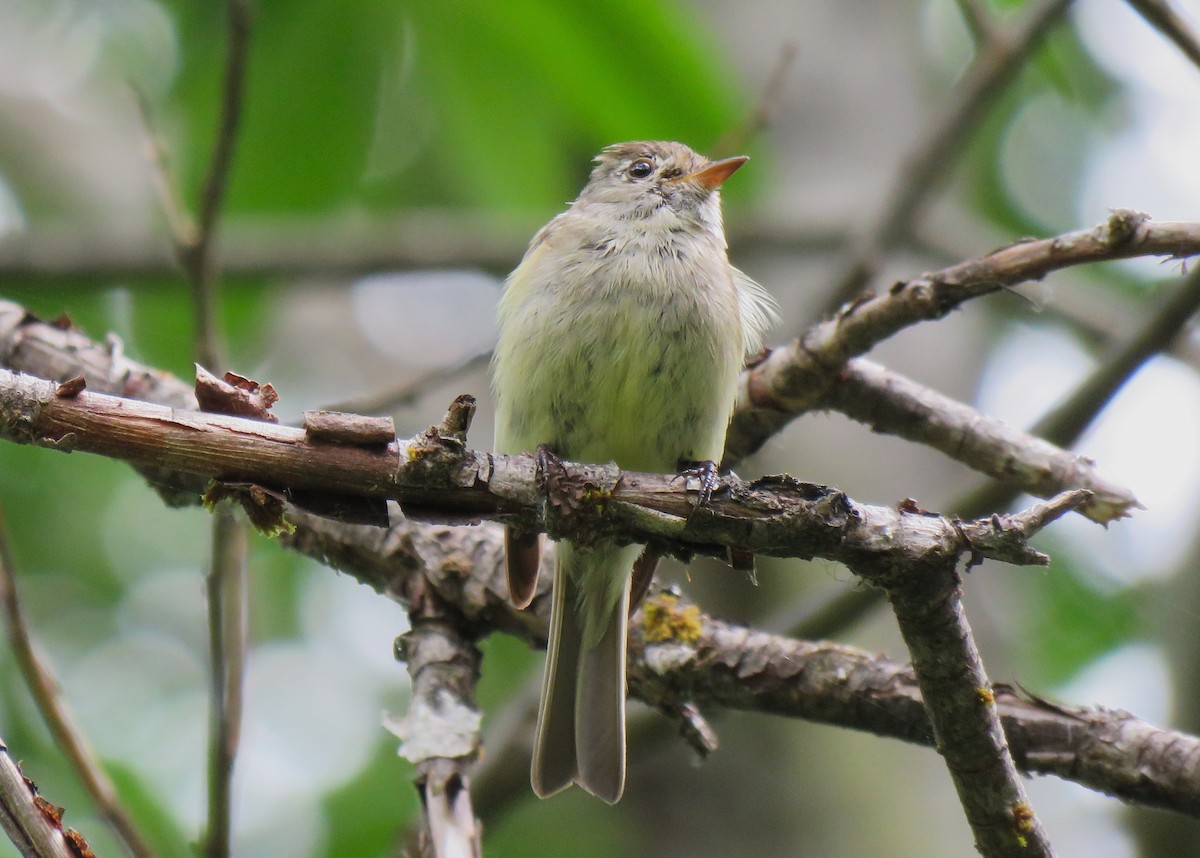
(706, 473)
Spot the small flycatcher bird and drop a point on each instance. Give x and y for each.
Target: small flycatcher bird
(622, 333)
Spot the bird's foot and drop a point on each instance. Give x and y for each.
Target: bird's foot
(705, 473)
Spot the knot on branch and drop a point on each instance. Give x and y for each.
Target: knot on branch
(569, 492)
(21, 406)
(1121, 226)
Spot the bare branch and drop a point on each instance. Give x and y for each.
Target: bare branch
(197, 256)
(889, 402)
(339, 246)
(927, 602)
(465, 567)
(1066, 423)
(33, 824)
(759, 117)
(738, 668)
(47, 694)
(440, 733)
(796, 377)
(226, 582)
(778, 516)
(225, 588)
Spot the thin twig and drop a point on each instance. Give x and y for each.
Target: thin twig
(47, 694)
(979, 22)
(226, 581)
(929, 165)
(759, 116)
(339, 246)
(170, 200)
(406, 394)
(1171, 24)
(198, 257)
(226, 592)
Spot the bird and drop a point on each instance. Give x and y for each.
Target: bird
(622, 333)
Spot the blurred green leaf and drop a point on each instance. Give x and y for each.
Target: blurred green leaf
(1061, 67)
(368, 814)
(508, 663)
(154, 821)
(54, 512)
(570, 824)
(468, 104)
(1071, 619)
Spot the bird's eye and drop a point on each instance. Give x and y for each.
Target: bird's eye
(640, 169)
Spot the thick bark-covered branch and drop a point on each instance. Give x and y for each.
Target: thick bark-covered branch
(778, 516)
(927, 603)
(58, 352)
(738, 668)
(440, 733)
(796, 378)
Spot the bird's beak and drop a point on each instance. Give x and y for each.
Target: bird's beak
(715, 174)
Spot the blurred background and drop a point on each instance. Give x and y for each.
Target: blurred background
(395, 158)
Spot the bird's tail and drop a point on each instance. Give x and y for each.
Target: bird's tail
(581, 718)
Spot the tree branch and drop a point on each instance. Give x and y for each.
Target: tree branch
(47, 694)
(730, 666)
(777, 516)
(195, 252)
(33, 824)
(795, 378)
(889, 402)
(440, 733)
(927, 602)
(1065, 423)
(225, 591)
(740, 668)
